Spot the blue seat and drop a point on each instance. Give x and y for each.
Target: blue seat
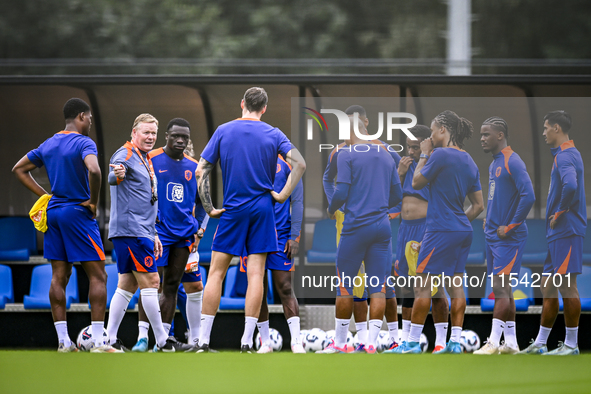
(477, 252)
(235, 289)
(206, 242)
(6, 288)
(394, 225)
(18, 238)
(536, 247)
(38, 297)
(522, 305)
(324, 243)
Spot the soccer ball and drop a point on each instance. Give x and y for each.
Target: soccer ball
(383, 341)
(424, 343)
(470, 341)
(303, 334)
(314, 340)
(349, 345)
(275, 338)
(84, 340)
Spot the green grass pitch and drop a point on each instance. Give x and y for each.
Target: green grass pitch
(230, 372)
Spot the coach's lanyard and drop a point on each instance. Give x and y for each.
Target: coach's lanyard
(150, 169)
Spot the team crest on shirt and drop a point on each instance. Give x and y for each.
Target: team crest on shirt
(148, 261)
(278, 167)
(498, 171)
(188, 175)
(175, 192)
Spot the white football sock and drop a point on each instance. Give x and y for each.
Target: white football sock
(361, 328)
(249, 324)
(441, 334)
(414, 335)
(194, 301)
(374, 330)
(205, 332)
(152, 309)
(393, 330)
(341, 328)
(571, 339)
(456, 333)
(264, 331)
(405, 330)
(294, 329)
(97, 331)
(62, 333)
(510, 334)
(119, 304)
(143, 328)
(495, 333)
(167, 327)
(542, 337)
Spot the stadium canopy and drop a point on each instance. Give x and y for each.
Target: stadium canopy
(31, 111)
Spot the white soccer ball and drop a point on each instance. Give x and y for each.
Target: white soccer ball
(383, 341)
(470, 341)
(424, 342)
(85, 341)
(303, 334)
(275, 338)
(314, 340)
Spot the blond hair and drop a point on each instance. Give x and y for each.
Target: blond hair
(144, 118)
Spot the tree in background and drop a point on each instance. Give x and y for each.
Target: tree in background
(141, 36)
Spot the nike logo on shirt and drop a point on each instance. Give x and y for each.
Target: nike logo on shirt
(161, 171)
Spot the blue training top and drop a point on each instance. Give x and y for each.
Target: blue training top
(331, 171)
(566, 197)
(132, 213)
(247, 150)
(370, 171)
(510, 197)
(177, 191)
(452, 174)
(63, 156)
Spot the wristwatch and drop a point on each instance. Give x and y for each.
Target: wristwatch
(200, 233)
(424, 156)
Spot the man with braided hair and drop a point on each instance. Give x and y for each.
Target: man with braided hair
(452, 176)
(413, 210)
(510, 198)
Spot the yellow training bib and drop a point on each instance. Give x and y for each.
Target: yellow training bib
(38, 213)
